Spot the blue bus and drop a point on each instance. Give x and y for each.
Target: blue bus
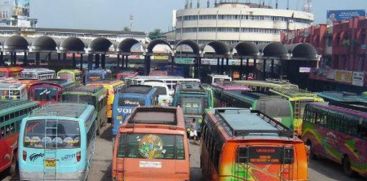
(57, 142)
(127, 99)
(97, 75)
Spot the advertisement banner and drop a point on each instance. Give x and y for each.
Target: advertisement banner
(21, 8)
(358, 78)
(340, 15)
(344, 76)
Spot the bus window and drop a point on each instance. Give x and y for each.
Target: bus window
(52, 134)
(151, 146)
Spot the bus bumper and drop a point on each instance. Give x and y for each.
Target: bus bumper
(51, 176)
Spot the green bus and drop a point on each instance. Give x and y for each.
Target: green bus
(92, 95)
(274, 106)
(11, 115)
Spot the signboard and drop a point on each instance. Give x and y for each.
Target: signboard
(344, 76)
(358, 78)
(340, 15)
(304, 69)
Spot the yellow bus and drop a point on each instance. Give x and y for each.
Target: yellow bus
(112, 86)
(263, 86)
(298, 98)
(73, 75)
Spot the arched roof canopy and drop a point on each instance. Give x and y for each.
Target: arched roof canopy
(219, 47)
(302, 51)
(16, 43)
(248, 49)
(100, 44)
(44, 43)
(156, 42)
(72, 44)
(193, 45)
(274, 49)
(126, 45)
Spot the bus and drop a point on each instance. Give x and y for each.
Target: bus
(258, 85)
(164, 98)
(338, 134)
(98, 75)
(243, 144)
(37, 73)
(92, 95)
(194, 100)
(170, 81)
(73, 75)
(126, 74)
(48, 91)
(8, 72)
(345, 99)
(218, 89)
(112, 87)
(274, 106)
(57, 142)
(11, 115)
(298, 98)
(152, 145)
(127, 99)
(13, 90)
(215, 78)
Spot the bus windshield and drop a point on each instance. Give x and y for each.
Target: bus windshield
(151, 146)
(52, 134)
(45, 94)
(129, 101)
(274, 108)
(79, 99)
(192, 105)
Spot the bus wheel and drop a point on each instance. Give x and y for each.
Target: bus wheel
(311, 151)
(347, 166)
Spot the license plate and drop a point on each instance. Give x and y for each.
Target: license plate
(50, 163)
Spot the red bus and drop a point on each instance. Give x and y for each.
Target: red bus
(11, 115)
(152, 145)
(243, 144)
(6, 72)
(48, 91)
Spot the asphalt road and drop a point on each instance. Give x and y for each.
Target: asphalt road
(319, 170)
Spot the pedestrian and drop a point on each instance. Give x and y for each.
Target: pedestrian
(193, 130)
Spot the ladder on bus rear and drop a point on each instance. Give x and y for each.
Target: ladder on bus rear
(286, 168)
(297, 110)
(50, 154)
(242, 166)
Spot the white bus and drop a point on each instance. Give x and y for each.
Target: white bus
(170, 81)
(163, 92)
(11, 90)
(37, 74)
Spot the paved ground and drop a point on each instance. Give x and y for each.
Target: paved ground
(320, 170)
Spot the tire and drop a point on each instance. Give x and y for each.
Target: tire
(312, 154)
(347, 168)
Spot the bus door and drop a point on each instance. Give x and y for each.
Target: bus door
(264, 163)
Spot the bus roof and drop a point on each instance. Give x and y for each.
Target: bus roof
(238, 122)
(6, 105)
(138, 89)
(339, 109)
(26, 70)
(269, 83)
(61, 109)
(231, 86)
(156, 116)
(342, 96)
(293, 92)
(86, 89)
(8, 85)
(190, 87)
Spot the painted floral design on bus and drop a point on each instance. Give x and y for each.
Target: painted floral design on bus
(151, 146)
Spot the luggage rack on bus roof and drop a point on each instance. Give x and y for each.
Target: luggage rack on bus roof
(87, 89)
(139, 89)
(267, 127)
(61, 109)
(4, 104)
(154, 115)
(191, 87)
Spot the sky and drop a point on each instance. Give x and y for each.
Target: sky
(147, 14)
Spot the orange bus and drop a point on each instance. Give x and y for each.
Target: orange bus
(7, 72)
(152, 145)
(244, 144)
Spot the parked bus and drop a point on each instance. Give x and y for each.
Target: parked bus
(112, 87)
(11, 115)
(57, 142)
(92, 95)
(127, 99)
(338, 134)
(164, 98)
(194, 100)
(72, 75)
(219, 88)
(98, 75)
(48, 91)
(274, 106)
(37, 74)
(13, 90)
(126, 74)
(298, 98)
(170, 81)
(215, 78)
(8, 72)
(345, 99)
(243, 144)
(152, 145)
(257, 85)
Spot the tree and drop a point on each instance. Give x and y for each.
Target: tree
(156, 34)
(126, 29)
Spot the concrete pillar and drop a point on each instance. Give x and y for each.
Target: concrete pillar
(38, 58)
(241, 68)
(74, 61)
(123, 62)
(272, 69)
(247, 68)
(218, 66)
(118, 60)
(146, 57)
(96, 60)
(264, 69)
(25, 59)
(222, 66)
(103, 61)
(127, 61)
(90, 61)
(199, 67)
(81, 62)
(2, 58)
(58, 57)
